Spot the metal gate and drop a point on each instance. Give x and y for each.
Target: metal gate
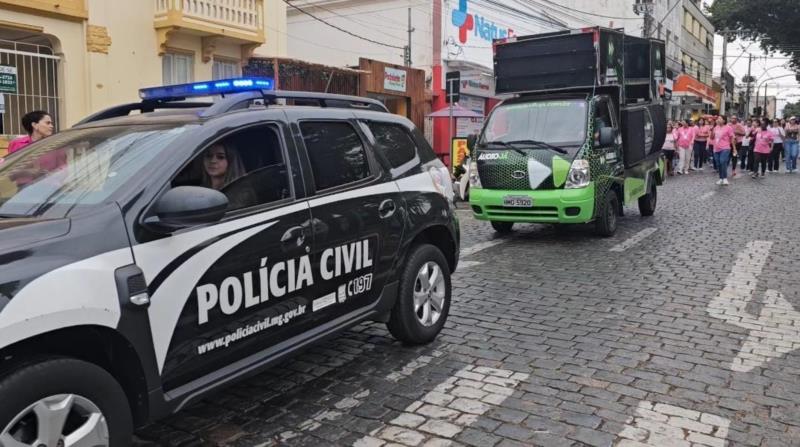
(37, 84)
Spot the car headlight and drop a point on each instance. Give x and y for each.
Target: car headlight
(474, 178)
(442, 182)
(579, 176)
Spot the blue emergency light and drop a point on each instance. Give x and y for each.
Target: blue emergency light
(218, 87)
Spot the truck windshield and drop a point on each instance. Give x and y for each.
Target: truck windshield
(560, 123)
(78, 167)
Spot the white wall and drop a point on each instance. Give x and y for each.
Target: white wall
(384, 21)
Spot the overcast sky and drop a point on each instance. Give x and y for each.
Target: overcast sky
(764, 66)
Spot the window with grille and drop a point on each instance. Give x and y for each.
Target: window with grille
(177, 68)
(225, 69)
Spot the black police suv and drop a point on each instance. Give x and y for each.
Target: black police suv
(149, 258)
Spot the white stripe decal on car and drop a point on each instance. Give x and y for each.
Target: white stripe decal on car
(168, 301)
(81, 293)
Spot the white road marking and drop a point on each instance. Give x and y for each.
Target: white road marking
(447, 410)
(467, 264)
(659, 425)
(707, 196)
(356, 399)
(633, 240)
(773, 333)
(480, 246)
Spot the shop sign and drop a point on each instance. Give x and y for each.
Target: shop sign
(473, 103)
(394, 79)
(470, 27)
(8, 79)
(459, 150)
(468, 126)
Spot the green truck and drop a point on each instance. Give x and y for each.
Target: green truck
(581, 135)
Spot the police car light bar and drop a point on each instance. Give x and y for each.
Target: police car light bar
(218, 87)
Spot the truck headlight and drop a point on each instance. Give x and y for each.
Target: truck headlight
(474, 178)
(579, 176)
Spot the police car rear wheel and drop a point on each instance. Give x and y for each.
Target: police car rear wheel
(63, 402)
(423, 302)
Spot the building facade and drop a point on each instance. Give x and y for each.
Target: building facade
(74, 57)
(448, 36)
(696, 94)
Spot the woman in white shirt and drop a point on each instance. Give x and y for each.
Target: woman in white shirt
(774, 162)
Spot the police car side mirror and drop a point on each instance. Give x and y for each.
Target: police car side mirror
(607, 136)
(186, 206)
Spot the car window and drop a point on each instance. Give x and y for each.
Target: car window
(336, 153)
(247, 166)
(393, 142)
(79, 167)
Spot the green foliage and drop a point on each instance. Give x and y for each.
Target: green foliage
(792, 109)
(775, 23)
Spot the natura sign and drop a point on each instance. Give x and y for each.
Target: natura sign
(474, 25)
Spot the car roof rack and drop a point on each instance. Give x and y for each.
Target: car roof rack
(236, 94)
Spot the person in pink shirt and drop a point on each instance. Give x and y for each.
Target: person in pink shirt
(38, 124)
(724, 147)
(764, 140)
(684, 139)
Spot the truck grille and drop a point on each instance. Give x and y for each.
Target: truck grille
(499, 174)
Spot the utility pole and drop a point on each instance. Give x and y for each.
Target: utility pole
(408, 47)
(748, 80)
(723, 76)
(645, 7)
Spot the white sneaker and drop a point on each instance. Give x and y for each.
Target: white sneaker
(719, 182)
(725, 182)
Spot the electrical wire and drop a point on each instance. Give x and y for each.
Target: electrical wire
(367, 39)
(586, 13)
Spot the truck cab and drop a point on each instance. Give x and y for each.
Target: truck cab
(574, 148)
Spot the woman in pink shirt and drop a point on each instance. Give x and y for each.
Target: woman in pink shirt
(684, 139)
(764, 140)
(724, 147)
(38, 124)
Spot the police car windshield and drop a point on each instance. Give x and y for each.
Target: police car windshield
(78, 167)
(556, 122)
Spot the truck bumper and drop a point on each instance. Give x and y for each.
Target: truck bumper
(549, 206)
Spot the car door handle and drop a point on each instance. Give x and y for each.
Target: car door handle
(297, 234)
(387, 209)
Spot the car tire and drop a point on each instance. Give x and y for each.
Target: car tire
(414, 319)
(648, 202)
(503, 227)
(606, 222)
(95, 398)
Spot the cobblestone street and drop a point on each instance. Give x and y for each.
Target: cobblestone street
(682, 330)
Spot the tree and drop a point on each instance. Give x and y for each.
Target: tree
(791, 109)
(772, 22)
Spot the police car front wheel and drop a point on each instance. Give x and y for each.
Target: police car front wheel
(63, 402)
(423, 302)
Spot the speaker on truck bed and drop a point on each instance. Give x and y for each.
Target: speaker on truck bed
(644, 131)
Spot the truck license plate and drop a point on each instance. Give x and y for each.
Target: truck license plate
(517, 201)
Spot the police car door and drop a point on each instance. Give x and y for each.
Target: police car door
(357, 218)
(224, 293)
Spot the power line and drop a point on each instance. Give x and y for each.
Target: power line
(588, 13)
(342, 29)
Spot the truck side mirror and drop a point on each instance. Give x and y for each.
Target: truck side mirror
(608, 136)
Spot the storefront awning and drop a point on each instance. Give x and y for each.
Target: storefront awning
(458, 112)
(686, 85)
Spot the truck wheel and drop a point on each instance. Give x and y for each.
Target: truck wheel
(423, 302)
(648, 202)
(606, 223)
(62, 401)
(502, 227)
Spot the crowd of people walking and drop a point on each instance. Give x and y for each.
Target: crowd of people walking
(728, 145)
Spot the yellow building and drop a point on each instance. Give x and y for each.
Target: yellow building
(74, 57)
